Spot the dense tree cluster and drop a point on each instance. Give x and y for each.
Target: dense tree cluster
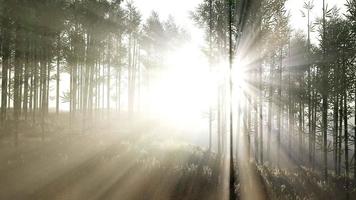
(103, 46)
(298, 96)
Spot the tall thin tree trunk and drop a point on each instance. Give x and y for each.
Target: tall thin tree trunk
(31, 88)
(309, 95)
(91, 91)
(219, 120)
(300, 134)
(43, 93)
(10, 85)
(103, 86)
(108, 78)
(232, 168)
(261, 112)
(26, 79)
(249, 130)
(17, 78)
(325, 136)
(35, 85)
(269, 120)
(324, 95)
(314, 127)
(279, 105)
(256, 127)
(335, 131)
(58, 73)
(119, 91)
(341, 118)
(238, 128)
(346, 136)
(47, 86)
(355, 133)
(4, 71)
(210, 68)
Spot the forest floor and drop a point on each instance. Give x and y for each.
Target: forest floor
(130, 164)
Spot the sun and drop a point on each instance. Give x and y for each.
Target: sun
(186, 88)
(183, 89)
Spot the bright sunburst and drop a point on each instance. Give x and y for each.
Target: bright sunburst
(183, 90)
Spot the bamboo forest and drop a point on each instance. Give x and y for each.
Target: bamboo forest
(178, 99)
